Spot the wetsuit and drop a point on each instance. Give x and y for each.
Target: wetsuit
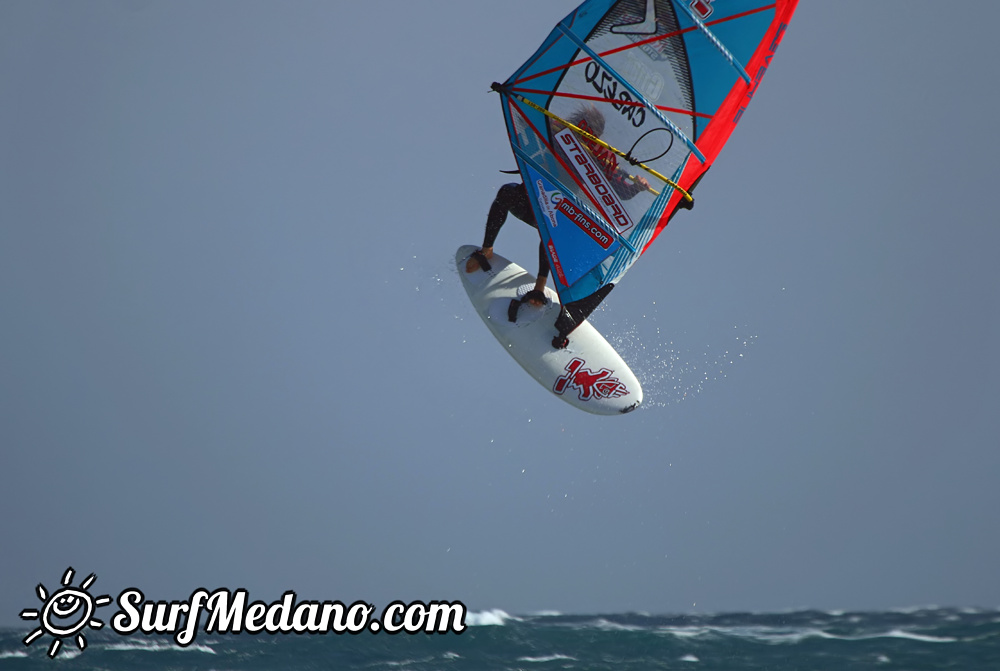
(513, 198)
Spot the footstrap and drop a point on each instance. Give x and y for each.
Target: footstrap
(516, 303)
(484, 263)
(512, 310)
(535, 294)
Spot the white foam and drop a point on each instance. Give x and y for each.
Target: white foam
(913, 610)
(899, 633)
(547, 658)
(684, 632)
(608, 625)
(407, 662)
(764, 634)
(792, 636)
(689, 658)
(495, 617)
(799, 635)
(157, 646)
(786, 637)
(13, 653)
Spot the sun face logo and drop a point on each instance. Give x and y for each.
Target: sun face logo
(65, 613)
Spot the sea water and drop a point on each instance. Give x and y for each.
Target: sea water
(921, 638)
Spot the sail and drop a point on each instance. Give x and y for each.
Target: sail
(620, 112)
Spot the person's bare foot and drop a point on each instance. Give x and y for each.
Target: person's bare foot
(473, 264)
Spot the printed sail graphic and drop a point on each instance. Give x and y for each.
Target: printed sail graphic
(618, 114)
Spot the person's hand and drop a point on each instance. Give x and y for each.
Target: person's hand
(641, 181)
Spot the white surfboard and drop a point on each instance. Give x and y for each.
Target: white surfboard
(588, 373)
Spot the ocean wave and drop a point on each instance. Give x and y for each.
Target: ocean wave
(408, 662)
(769, 635)
(157, 646)
(608, 625)
(899, 633)
(495, 617)
(547, 658)
(12, 653)
(916, 610)
(684, 632)
(66, 653)
(799, 636)
(779, 636)
(688, 658)
(785, 637)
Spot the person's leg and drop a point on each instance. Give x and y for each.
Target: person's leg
(511, 198)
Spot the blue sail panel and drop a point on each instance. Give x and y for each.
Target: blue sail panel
(575, 239)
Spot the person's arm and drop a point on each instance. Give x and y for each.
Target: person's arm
(627, 186)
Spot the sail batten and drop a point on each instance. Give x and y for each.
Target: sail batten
(717, 43)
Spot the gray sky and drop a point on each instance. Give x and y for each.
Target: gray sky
(236, 351)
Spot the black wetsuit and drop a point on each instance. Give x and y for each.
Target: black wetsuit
(513, 198)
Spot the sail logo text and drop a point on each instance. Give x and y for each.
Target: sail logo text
(547, 199)
(605, 84)
(586, 224)
(761, 71)
(557, 264)
(595, 181)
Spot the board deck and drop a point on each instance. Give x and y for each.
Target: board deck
(588, 374)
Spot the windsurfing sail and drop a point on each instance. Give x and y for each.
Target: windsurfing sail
(618, 115)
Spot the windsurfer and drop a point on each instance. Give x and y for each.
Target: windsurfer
(513, 199)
